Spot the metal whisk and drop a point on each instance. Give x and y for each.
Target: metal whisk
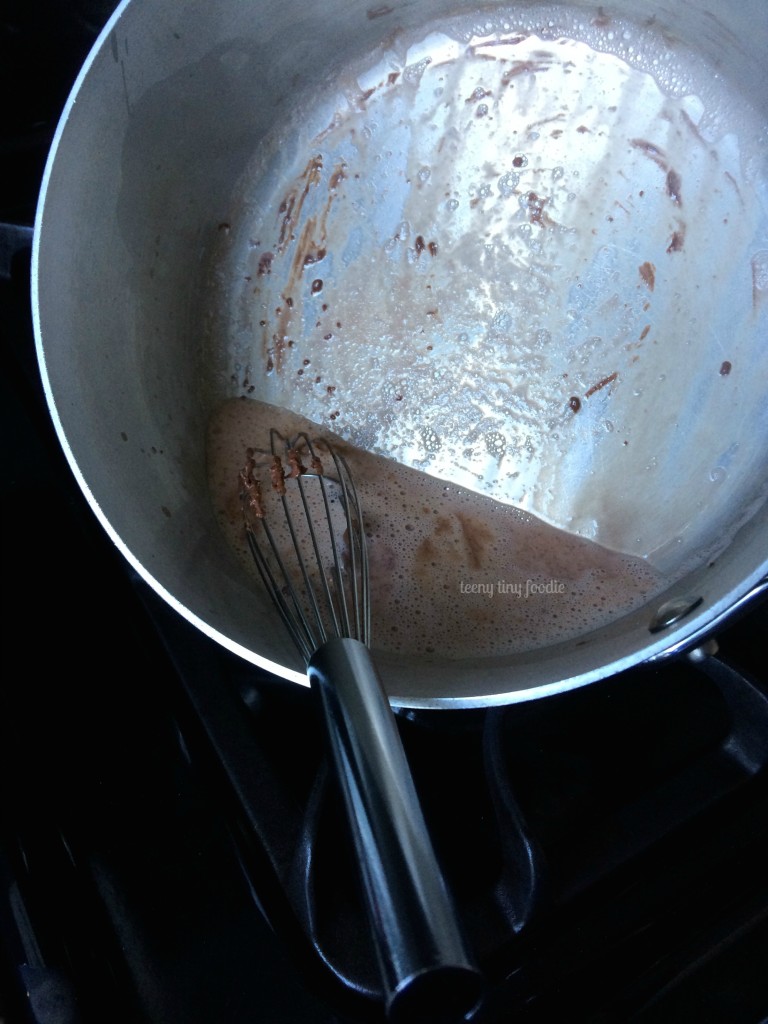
(305, 531)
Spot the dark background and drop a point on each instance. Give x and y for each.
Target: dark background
(152, 788)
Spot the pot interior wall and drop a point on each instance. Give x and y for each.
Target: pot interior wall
(164, 121)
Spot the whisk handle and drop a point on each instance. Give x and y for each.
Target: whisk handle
(426, 970)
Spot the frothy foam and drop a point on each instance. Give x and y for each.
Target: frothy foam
(453, 572)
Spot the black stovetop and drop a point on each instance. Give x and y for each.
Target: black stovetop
(171, 848)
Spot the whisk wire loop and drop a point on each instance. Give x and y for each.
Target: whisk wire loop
(320, 591)
(358, 552)
(335, 567)
(282, 592)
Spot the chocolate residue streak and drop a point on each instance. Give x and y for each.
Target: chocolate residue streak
(420, 245)
(536, 211)
(487, 43)
(318, 253)
(601, 384)
(692, 127)
(285, 211)
(277, 475)
(310, 247)
(522, 67)
(574, 403)
(296, 466)
(280, 338)
(378, 12)
(730, 178)
(392, 77)
(442, 526)
(265, 263)
(648, 274)
(427, 555)
(644, 332)
(476, 537)
(725, 368)
(652, 152)
(673, 184)
(339, 175)
(432, 248)
(290, 208)
(677, 241)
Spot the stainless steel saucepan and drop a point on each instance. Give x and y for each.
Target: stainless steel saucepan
(646, 285)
